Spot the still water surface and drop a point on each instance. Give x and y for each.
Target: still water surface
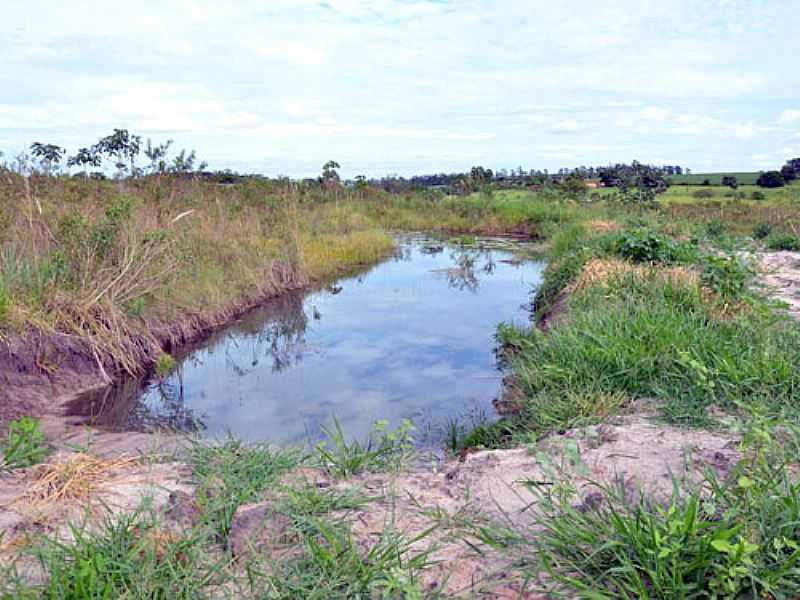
(413, 337)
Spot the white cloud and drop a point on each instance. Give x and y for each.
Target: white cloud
(789, 116)
(404, 82)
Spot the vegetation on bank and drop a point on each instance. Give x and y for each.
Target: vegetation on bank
(649, 297)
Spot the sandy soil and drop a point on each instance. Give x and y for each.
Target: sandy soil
(480, 487)
(781, 275)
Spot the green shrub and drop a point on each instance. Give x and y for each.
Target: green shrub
(758, 196)
(707, 193)
(783, 241)
(643, 245)
(165, 364)
(727, 276)
(24, 445)
(762, 230)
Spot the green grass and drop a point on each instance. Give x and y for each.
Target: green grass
(382, 450)
(743, 178)
(24, 444)
(230, 473)
(732, 537)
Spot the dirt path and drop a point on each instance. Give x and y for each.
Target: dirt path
(781, 276)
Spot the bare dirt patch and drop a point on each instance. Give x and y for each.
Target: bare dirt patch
(781, 276)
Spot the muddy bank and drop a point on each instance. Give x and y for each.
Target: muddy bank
(42, 373)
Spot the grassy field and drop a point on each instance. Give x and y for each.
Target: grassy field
(743, 178)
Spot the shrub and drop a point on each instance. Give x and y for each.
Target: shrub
(645, 246)
(762, 230)
(165, 364)
(758, 196)
(707, 193)
(727, 276)
(771, 179)
(783, 241)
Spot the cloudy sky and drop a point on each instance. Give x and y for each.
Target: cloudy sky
(405, 86)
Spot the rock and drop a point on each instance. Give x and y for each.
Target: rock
(183, 509)
(257, 526)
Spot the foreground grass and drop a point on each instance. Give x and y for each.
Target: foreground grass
(144, 555)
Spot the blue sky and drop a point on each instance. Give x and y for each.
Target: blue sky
(410, 86)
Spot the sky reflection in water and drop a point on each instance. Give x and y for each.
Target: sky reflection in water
(411, 338)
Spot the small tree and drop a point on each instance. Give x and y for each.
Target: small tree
(730, 181)
(330, 175)
(49, 155)
(771, 179)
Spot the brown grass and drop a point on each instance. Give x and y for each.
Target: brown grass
(599, 271)
(76, 479)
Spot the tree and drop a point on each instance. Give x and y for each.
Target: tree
(730, 181)
(771, 179)
(330, 176)
(574, 185)
(85, 157)
(49, 155)
(791, 170)
(157, 156)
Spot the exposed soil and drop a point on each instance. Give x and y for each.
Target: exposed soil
(42, 373)
(487, 486)
(781, 275)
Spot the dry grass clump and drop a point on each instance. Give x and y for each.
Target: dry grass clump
(602, 226)
(599, 271)
(76, 479)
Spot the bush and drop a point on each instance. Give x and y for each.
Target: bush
(758, 196)
(771, 179)
(783, 241)
(762, 230)
(704, 194)
(727, 276)
(645, 246)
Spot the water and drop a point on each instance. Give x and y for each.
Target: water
(413, 337)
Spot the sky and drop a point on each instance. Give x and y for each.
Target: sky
(410, 86)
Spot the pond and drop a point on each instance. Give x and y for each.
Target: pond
(412, 337)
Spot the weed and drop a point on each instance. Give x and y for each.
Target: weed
(24, 445)
(230, 473)
(165, 364)
(783, 241)
(726, 276)
(382, 450)
(128, 557)
(728, 538)
(329, 564)
(762, 230)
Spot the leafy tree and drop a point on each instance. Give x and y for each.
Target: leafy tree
(330, 175)
(157, 156)
(771, 179)
(791, 170)
(49, 155)
(574, 185)
(122, 147)
(730, 181)
(85, 157)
